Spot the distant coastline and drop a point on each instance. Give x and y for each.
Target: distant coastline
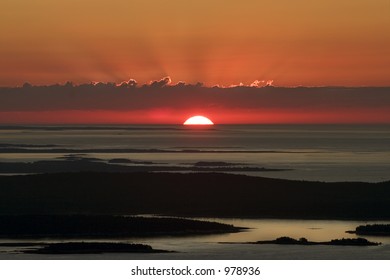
(84, 164)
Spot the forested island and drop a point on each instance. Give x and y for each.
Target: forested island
(373, 230)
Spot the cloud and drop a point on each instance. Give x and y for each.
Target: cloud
(180, 84)
(161, 83)
(259, 96)
(239, 85)
(262, 83)
(257, 83)
(129, 83)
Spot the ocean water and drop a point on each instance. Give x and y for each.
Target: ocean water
(309, 152)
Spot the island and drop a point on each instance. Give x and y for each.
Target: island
(285, 240)
(373, 230)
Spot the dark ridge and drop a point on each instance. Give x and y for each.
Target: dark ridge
(92, 248)
(125, 161)
(85, 164)
(104, 226)
(22, 244)
(215, 163)
(193, 194)
(26, 150)
(8, 145)
(78, 157)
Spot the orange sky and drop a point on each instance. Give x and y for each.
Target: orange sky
(301, 42)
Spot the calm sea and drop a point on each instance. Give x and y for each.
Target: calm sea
(310, 152)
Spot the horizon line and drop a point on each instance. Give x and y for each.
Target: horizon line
(166, 82)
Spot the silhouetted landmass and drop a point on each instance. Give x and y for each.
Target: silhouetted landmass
(84, 151)
(9, 145)
(92, 248)
(78, 226)
(214, 163)
(126, 161)
(193, 194)
(27, 150)
(22, 244)
(352, 242)
(303, 241)
(81, 164)
(373, 230)
(78, 157)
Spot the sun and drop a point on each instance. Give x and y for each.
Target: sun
(198, 120)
